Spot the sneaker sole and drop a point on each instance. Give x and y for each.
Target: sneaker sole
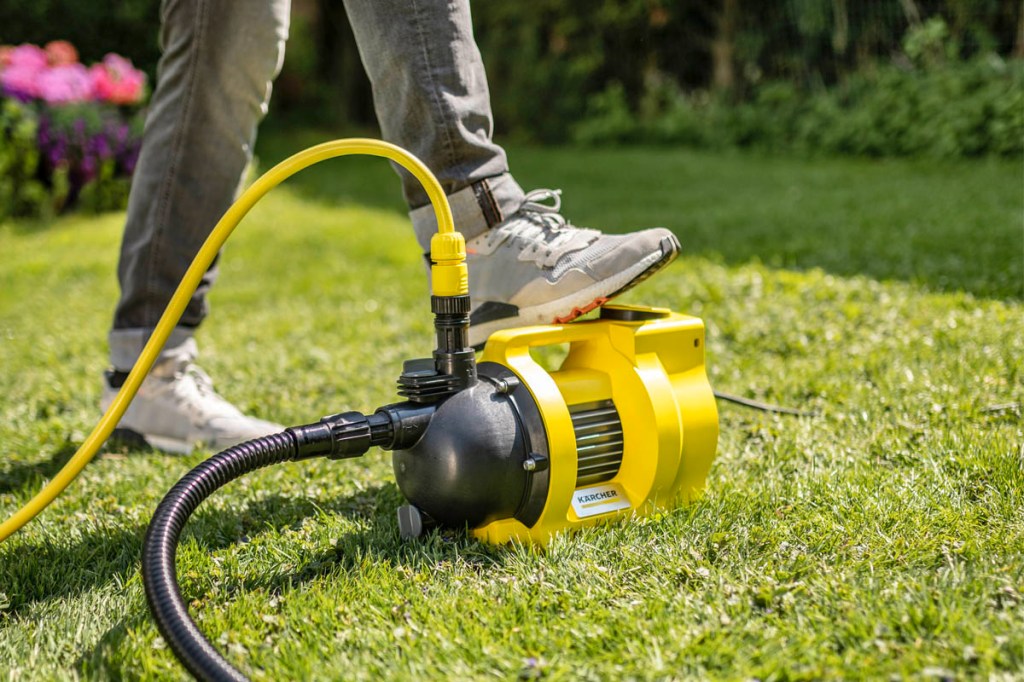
(582, 301)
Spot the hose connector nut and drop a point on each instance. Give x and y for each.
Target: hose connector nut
(447, 248)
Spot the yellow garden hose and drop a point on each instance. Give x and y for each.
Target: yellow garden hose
(448, 278)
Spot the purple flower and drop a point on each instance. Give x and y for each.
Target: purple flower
(56, 153)
(101, 146)
(88, 168)
(129, 160)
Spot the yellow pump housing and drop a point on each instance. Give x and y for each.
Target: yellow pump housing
(630, 416)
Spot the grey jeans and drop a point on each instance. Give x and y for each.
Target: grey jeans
(213, 86)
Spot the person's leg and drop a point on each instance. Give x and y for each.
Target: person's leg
(527, 265)
(213, 86)
(430, 95)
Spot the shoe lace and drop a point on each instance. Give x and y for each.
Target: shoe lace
(195, 392)
(538, 223)
(535, 209)
(202, 380)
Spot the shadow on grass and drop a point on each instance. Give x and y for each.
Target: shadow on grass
(54, 570)
(49, 570)
(20, 475)
(380, 543)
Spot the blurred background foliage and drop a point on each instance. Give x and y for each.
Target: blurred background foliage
(935, 78)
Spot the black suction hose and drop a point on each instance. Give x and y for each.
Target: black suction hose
(159, 574)
(339, 436)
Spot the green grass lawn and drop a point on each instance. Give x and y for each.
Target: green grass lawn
(883, 538)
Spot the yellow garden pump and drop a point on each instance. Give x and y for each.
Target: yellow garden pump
(626, 423)
(501, 447)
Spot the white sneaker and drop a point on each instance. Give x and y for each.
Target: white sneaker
(176, 410)
(536, 268)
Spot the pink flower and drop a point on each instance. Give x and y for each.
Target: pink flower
(28, 56)
(70, 83)
(22, 67)
(116, 81)
(21, 82)
(61, 52)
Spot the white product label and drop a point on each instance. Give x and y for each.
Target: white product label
(599, 499)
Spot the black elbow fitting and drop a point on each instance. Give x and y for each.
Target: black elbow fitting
(453, 357)
(408, 422)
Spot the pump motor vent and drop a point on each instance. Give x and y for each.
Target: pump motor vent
(599, 443)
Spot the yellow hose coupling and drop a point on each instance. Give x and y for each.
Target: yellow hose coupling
(448, 273)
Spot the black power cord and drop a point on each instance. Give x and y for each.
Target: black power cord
(763, 407)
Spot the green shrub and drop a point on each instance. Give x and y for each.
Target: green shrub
(53, 158)
(946, 110)
(609, 120)
(21, 192)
